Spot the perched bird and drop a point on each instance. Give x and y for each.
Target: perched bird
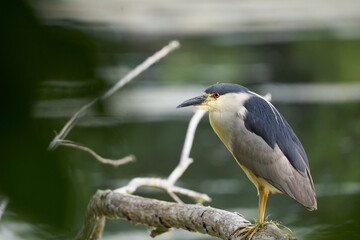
(262, 143)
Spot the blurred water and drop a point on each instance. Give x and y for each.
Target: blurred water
(314, 83)
(331, 146)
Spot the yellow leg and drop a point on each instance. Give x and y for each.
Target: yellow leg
(251, 229)
(263, 195)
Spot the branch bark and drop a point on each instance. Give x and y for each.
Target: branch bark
(163, 216)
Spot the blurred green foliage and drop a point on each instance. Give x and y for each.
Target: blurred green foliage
(35, 180)
(54, 187)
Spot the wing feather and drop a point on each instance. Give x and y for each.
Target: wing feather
(265, 121)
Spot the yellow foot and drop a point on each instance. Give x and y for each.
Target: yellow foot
(248, 231)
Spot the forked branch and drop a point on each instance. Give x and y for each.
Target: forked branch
(59, 139)
(127, 78)
(163, 216)
(169, 184)
(112, 162)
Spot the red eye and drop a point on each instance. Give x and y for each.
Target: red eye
(216, 95)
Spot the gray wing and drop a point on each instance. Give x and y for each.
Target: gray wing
(263, 120)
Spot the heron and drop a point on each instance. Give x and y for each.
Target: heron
(262, 143)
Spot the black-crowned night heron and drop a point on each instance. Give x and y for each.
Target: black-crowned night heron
(262, 143)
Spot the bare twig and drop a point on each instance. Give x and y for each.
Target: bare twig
(127, 78)
(3, 206)
(162, 184)
(70, 124)
(185, 159)
(112, 162)
(268, 97)
(163, 216)
(168, 184)
(142, 67)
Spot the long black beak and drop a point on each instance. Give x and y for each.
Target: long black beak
(193, 101)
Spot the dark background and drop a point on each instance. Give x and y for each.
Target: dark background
(52, 64)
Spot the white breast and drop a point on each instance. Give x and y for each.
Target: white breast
(222, 127)
(227, 110)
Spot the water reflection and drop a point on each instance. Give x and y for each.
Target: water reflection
(334, 189)
(215, 172)
(313, 78)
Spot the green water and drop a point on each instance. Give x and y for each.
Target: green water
(49, 75)
(331, 147)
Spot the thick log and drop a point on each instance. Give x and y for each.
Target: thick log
(163, 216)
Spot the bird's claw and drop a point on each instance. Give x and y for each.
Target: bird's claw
(249, 230)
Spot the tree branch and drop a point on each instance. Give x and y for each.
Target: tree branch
(112, 162)
(3, 205)
(163, 216)
(127, 78)
(185, 159)
(169, 184)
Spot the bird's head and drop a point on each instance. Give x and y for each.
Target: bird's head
(218, 97)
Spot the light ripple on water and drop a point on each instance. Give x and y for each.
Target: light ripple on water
(221, 186)
(333, 189)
